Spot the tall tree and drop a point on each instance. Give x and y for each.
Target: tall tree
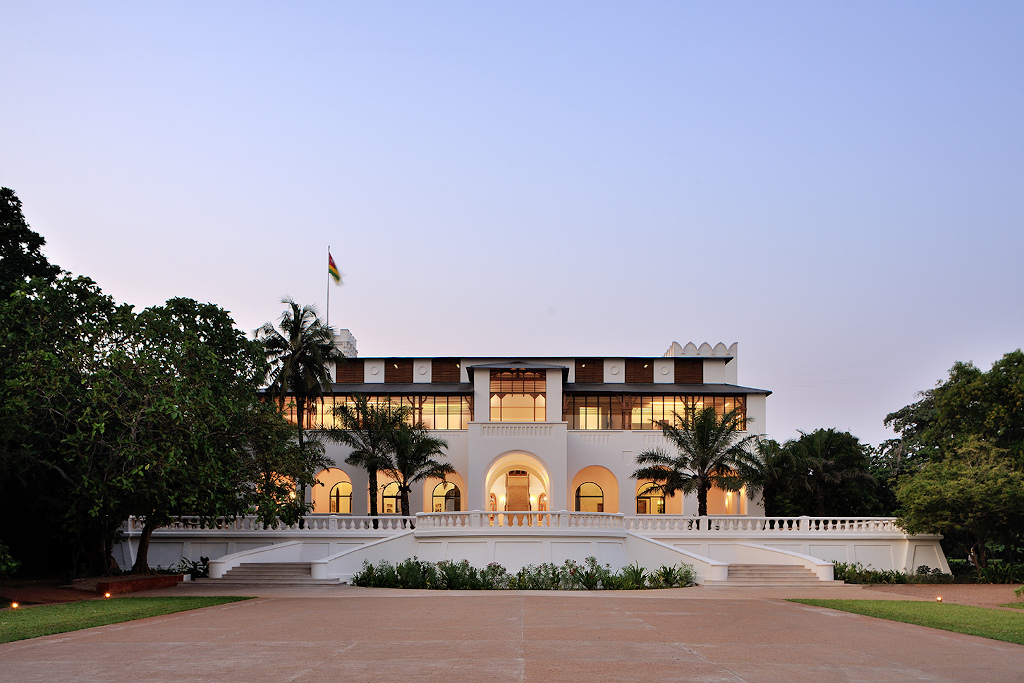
(414, 451)
(974, 495)
(708, 451)
(769, 468)
(368, 428)
(152, 415)
(971, 404)
(834, 476)
(20, 255)
(299, 350)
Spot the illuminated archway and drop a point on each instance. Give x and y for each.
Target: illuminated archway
(604, 478)
(331, 480)
(431, 483)
(517, 479)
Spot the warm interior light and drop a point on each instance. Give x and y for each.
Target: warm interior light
(291, 494)
(14, 605)
(938, 599)
(106, 595)
(533, 499)
(503, 499)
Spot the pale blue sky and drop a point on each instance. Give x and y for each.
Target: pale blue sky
(838, 187)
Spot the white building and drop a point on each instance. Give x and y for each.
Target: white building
(553, 440)
(541, 434)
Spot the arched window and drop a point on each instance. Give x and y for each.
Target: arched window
(589, 498)
(446, 498)
(391, 499)
(650, 500)
(341, 498)
(542, 503)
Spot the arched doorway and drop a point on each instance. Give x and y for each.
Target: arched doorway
(517, 482)
(334, 493)
(446, 497)
(391, 500)
(595, 475)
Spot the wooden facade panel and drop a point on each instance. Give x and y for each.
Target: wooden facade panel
(689, 371)
(590, 370)
(349, 372)
(445, 370)
(398, 371)
(639, 371)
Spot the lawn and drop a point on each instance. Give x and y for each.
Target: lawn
(975, 621)
(44, 620)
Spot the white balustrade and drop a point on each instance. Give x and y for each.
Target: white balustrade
(717, 524)
(311, 523)
(762, 525)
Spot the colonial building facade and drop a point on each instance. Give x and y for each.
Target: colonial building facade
(543, 451)
(540, 434)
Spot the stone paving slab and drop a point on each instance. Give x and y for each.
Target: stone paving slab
(355, 634)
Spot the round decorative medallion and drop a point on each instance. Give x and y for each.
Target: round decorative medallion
(374, 370)
(664, 370)
(423, 369)
(615, 369)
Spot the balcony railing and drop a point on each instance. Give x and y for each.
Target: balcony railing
(762, 525)
(512, 520)
(477, 519)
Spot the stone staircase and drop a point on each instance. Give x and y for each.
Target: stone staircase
(270, 574)
(770, 576)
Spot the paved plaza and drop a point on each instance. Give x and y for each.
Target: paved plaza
(355, 634)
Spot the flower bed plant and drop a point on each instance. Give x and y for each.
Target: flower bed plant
(858, 573)
(570, 575)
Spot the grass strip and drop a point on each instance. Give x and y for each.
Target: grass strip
(45, 620)
(976, 621)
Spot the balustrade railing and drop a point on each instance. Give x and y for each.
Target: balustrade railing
(762, 525)
(477, 519)
(518, 520)
(310, 523)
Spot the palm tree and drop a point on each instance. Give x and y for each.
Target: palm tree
(414, 453)
(298, 351)
(707, 451)
(768, 468)
(368, 429)
(830, 461)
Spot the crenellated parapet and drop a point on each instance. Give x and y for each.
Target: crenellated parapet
(705, 350)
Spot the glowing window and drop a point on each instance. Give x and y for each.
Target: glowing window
(391, 499)
(518, 396)
(447, 498)
(650, 500)
(589, 498)
(341, 498)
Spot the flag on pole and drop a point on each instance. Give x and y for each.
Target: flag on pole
(333, 269)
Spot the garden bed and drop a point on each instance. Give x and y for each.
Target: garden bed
(133, 584)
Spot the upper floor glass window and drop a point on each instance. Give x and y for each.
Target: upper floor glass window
(630, 411)
(518, 396)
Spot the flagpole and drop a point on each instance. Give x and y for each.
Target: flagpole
(328, 318)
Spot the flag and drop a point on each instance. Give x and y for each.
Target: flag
(333, 269)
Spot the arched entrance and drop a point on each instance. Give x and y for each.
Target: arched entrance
(517, 482)
(334, 493)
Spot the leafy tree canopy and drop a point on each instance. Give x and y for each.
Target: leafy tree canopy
(20, 255)
(152, 415)
(831, 475)
(971, 404)
(977, 494)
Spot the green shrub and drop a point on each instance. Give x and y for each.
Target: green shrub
(1002, 572)
(858, 573)
(8, 565)
(634, 577)
(460, 575)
